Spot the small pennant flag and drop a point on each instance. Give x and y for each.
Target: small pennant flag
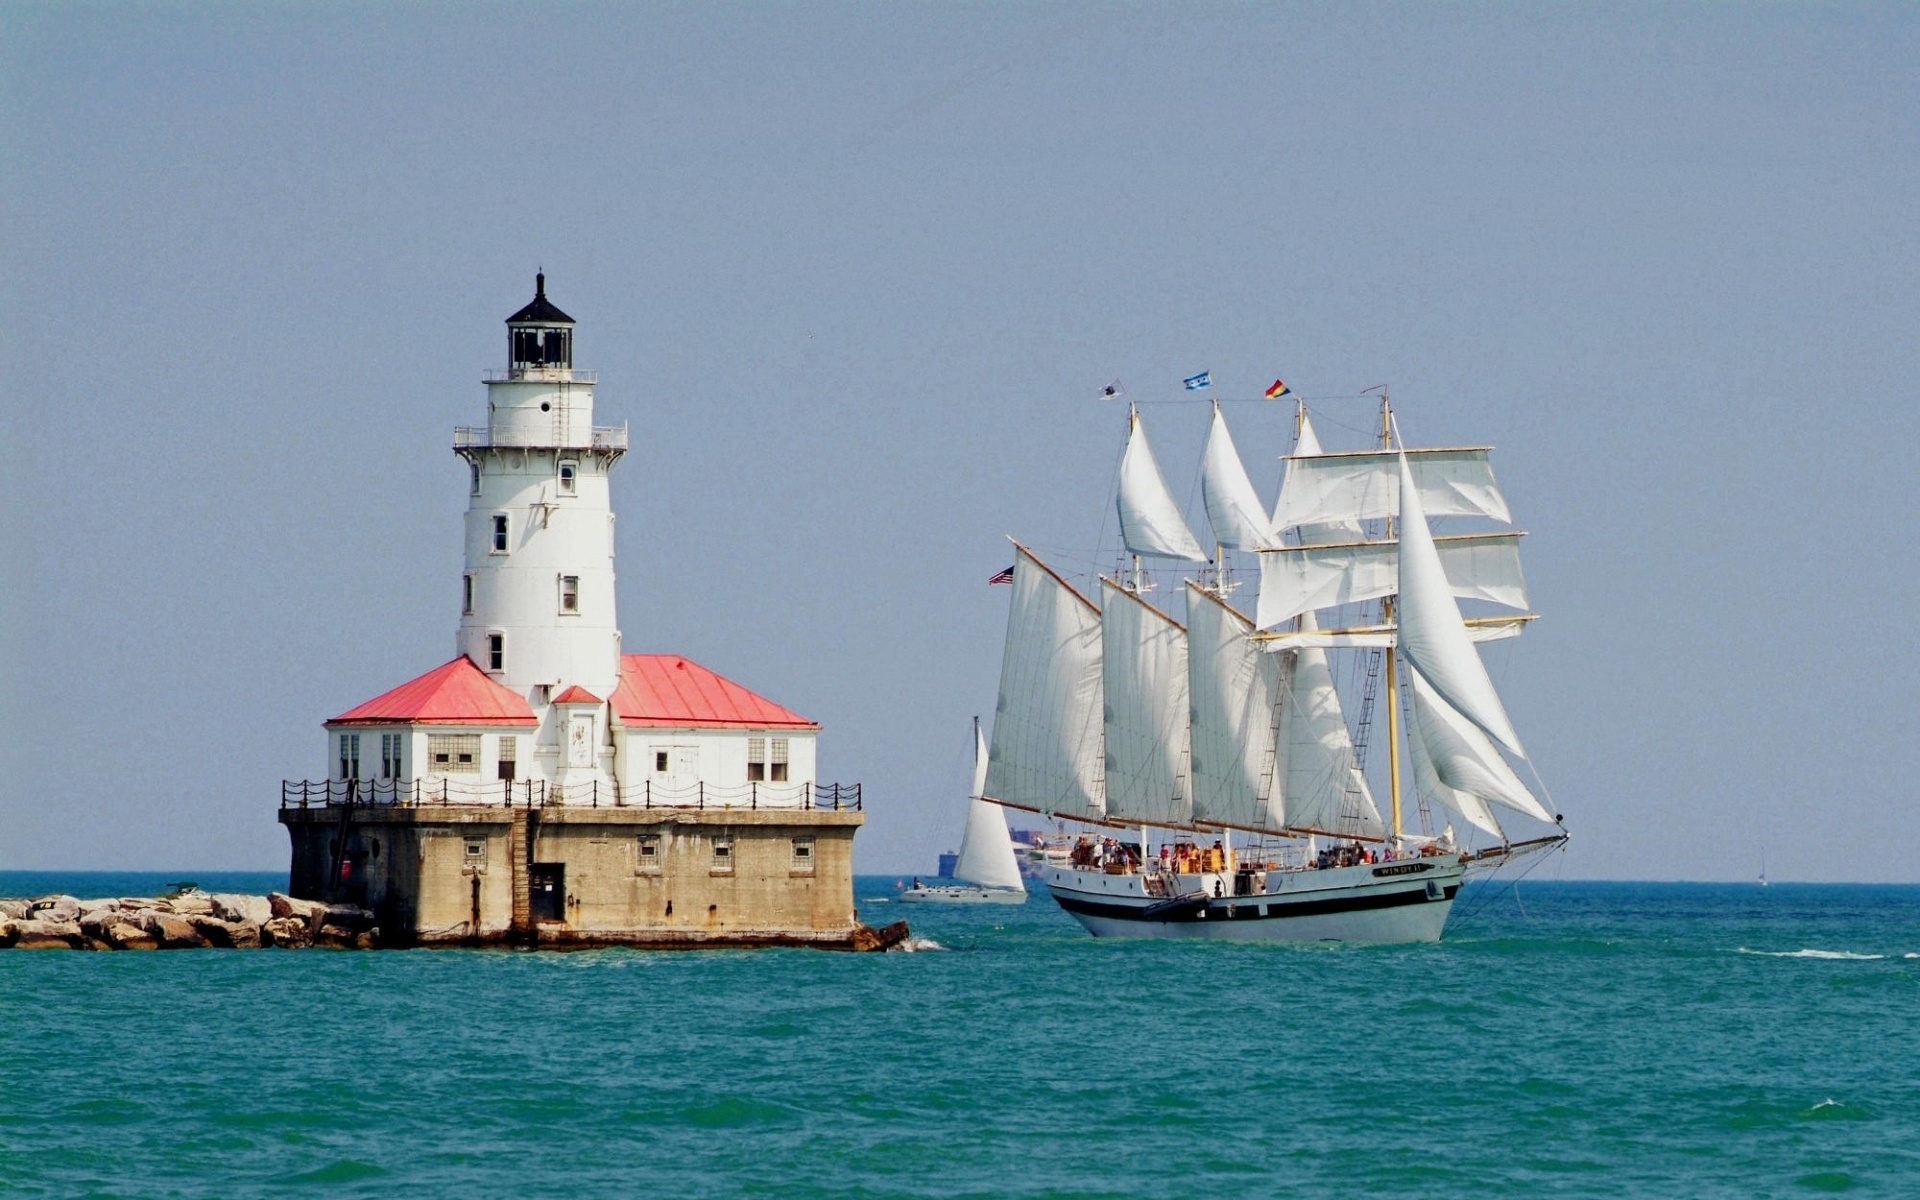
(1278, 390)
(1005, 576)
(1195, 382)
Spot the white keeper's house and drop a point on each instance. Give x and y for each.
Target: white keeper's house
(544, 785)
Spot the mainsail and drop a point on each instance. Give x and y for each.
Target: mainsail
(986, 852)
(1046, 728)
(1234, 510)
(1150, 522)
(1432, 636)
(1234, 687)
(1145, 682)
(1323, 787)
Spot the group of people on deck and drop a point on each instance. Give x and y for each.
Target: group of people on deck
(1088, 854)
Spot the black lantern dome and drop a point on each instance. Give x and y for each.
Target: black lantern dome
(540, 335)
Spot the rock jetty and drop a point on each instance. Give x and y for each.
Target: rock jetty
(190, 920)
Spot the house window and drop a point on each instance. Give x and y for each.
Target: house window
(569, 593)
(647, 854)
(466, 595)
(349, 756)
(500, 533)
(660, 761)
(568, 469)
(509, 752)
(390, 744)
(766, 759)
(454, 753)
(496, 652)
(803, 855)
(723, 856)
(474, 468)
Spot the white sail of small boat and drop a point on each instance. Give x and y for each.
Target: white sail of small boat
(1150, 522)
(986, 868)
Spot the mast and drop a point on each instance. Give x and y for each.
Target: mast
(1393, 694)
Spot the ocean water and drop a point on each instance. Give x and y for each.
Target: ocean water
(1576, 1040)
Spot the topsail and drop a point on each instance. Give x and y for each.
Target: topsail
(1150, 522)
(1234, 510)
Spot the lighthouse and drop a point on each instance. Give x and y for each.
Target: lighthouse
(537, 595)
(545, 785)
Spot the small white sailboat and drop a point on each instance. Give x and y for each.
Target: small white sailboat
(1118, 716)
(986, 868)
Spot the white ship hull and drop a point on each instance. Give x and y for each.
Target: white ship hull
(960, 894)
(1380, 903)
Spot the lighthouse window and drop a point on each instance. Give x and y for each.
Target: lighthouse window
(777, 768)
(660, 761)
(496, 652)
(569, 593)
(567, 472)
(466, 595)
(454, 753)
(500, 533)
(803, 854)
(349, 756)
(475, 469)
(756, 759)
(390, 755)
(509, 755)
(722, 856)
(648, 849)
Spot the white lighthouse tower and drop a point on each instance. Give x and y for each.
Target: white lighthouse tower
(537, 610)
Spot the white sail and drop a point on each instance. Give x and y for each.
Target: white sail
(1307, 444)
(1297, 579)
(986, 851)
(1150, 522)
(1046, 728)
(1365, 486)
(1145, 682)
(1463, 758)
(1234, 688)
(1480, 629)
(1432, 635)
(1427, 782)
(1321, 785)
(1234, 510)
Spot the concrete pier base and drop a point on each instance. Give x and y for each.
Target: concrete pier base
(578, 877)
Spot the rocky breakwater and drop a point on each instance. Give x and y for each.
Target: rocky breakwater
(191, 920)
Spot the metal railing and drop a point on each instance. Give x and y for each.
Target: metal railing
(444, 791)
(479, 437)
(539, 375)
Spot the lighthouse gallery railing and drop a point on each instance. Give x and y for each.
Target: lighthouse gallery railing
(534, 793)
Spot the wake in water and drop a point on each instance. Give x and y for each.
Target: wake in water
(1842, 955)
(913, 945)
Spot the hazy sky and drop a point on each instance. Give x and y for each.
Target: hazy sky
(855, 274)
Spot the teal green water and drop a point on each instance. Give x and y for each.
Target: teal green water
(1589, 1040)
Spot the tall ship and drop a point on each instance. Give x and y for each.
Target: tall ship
(1205, 752)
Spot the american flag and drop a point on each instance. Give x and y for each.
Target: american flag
(1005, 576)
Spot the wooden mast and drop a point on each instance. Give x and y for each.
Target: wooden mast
(1393, 693)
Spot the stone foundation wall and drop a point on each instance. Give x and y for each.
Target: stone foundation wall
(454, 874)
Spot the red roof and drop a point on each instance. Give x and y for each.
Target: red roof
(458, 693)
(666, 690)
(576, 695)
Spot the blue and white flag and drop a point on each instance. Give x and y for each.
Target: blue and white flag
(1195, 382)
